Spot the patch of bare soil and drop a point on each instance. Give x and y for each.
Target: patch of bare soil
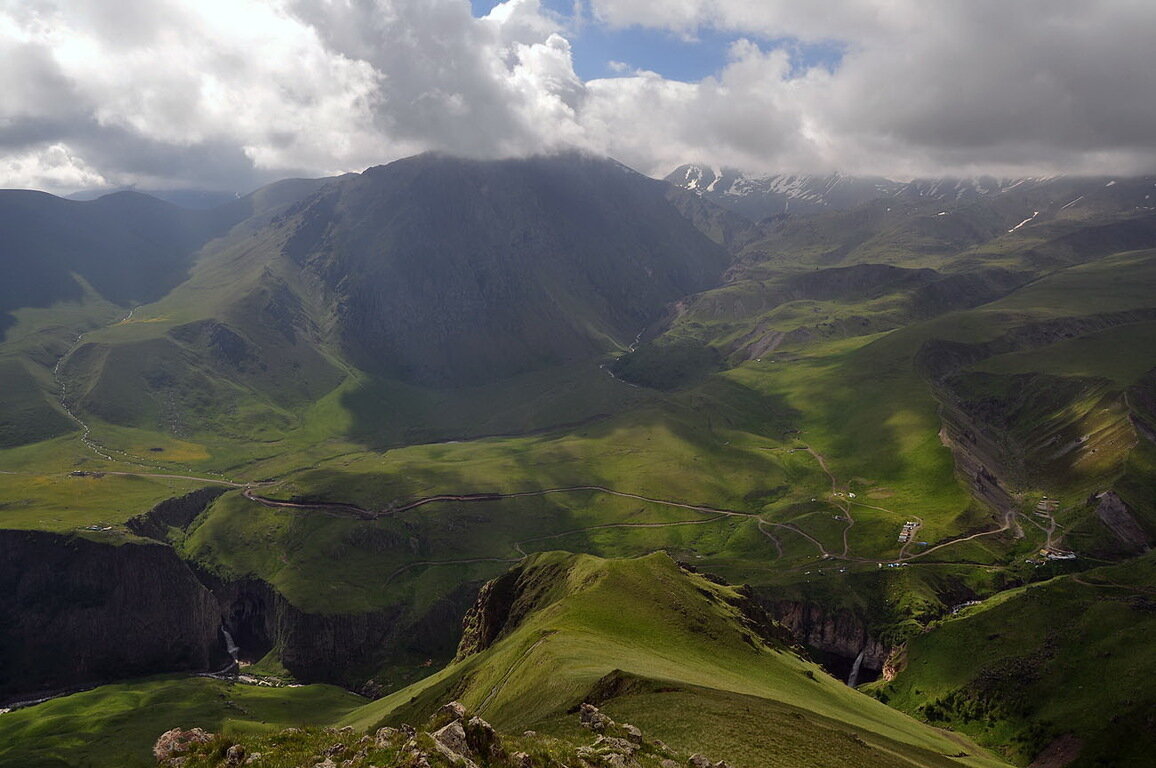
(1061, 752)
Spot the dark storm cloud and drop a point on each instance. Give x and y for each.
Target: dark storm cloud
(230, 93)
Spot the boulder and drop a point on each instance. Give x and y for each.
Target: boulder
(176, 742)
(453, 737)
(614, 744)
(455, 710)
(483, 740)
(451, 742)
(592, 718)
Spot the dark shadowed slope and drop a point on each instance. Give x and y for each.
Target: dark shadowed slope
(447, 271)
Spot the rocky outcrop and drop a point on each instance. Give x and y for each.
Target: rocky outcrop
(504, 602)
(591, 717)
(75, 611)
(839, 637)
(453, 737)
(177, 512)
(1113, 513)
(977, 458)
(896, 663)
(175, 742)
(1022, 431)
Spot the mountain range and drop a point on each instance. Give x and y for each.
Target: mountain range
(758, 196)
(506, 432)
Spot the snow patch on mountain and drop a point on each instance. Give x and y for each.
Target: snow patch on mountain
(760, 196)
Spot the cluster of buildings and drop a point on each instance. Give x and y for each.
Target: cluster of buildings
(908, 531)
(1055, 553)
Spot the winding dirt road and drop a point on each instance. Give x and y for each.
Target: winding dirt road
(342, 509)
(840, 502)
(716, 512)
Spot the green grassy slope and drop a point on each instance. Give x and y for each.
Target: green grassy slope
(115, 726)
(854, 349)
(674, 637)
(1067, 657)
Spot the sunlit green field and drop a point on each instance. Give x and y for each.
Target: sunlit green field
(115, 726)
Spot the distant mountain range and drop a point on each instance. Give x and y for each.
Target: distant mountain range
(758, 196)
(197, 199)
(300, 430)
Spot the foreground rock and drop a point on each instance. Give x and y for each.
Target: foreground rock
(452, 737)
(173, 745)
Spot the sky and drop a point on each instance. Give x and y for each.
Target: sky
(231, 94)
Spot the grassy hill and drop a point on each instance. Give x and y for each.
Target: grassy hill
(1027, 669)
(409, 427)
(639, 637)
(115, 726)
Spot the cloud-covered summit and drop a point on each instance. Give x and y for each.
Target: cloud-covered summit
(231, 93)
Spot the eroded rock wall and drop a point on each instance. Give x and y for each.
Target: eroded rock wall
(75, 611)
(839, 635)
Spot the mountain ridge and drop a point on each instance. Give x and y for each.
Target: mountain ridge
(871, 416)
(760, 196)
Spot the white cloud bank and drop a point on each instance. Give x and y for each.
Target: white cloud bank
(230, 93)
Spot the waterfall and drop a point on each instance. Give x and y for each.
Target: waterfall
(230, 646)
(854, 677)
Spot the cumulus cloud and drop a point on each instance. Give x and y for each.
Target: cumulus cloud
(1046, 85)
(232, 93)
(50, 167)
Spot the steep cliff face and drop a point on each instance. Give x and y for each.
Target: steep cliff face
(75, 611)
(340, 648)
(503, 603)
(344, 649)
(835, 637)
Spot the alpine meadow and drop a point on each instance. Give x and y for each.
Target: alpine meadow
(476, 436)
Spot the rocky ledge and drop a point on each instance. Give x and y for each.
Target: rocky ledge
(453, 737)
